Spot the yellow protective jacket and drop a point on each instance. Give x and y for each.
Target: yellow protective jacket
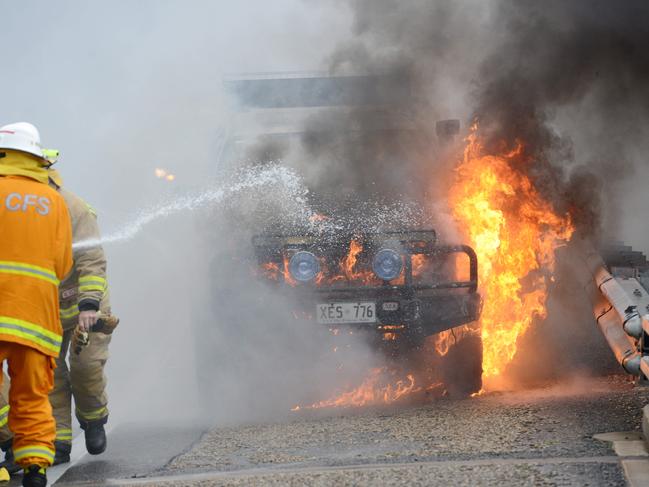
(86, 287)
(35, 255)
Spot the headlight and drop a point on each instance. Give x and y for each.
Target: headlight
(303, 266)
(387, 264)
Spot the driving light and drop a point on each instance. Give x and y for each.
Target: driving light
(303, 266)
(387, 264)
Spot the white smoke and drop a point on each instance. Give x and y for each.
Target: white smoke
(122, 88)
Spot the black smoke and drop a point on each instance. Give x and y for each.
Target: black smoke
(586, 59)
(569, 79)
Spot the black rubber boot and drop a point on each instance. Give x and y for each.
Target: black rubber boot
(95, 435)
(34, 476)
(9, 462)
(61, 452)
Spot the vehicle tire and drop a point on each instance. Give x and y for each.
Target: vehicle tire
(461, 367)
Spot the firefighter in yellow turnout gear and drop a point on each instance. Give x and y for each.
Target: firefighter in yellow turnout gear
(82, 295)
(83, 299)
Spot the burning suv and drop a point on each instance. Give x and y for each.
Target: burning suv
(400, 286)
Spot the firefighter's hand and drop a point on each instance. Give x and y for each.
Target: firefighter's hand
(87, 319)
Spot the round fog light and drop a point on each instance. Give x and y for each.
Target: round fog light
(304, 266)
(387, 264)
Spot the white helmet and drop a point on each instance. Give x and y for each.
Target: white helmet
(21, 136)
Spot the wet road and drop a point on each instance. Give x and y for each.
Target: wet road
(538, 437)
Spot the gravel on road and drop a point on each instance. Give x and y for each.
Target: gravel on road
(471, 441)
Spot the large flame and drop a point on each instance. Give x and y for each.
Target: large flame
(514, 231)
(379, 387)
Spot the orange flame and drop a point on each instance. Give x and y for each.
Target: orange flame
(161, 173)
(372, 391)
(448, 338)
(287, 274)
(270, 270)
(514, 231)
(317, 217)
(392, 327)
(419, 261)
(349, 264)
(443, 342)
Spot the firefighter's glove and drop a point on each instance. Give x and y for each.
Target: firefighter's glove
(80, 340)
(106, 324)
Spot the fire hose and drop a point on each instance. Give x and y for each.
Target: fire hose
(106, 324)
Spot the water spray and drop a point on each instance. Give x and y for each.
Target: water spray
(275, 175)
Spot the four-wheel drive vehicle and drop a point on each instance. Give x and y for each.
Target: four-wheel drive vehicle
(399, 287)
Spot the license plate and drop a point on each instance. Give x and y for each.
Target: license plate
(358, 312)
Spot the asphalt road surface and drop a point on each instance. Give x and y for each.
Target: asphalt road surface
(537, 437)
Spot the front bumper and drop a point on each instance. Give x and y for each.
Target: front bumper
(427, 313)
